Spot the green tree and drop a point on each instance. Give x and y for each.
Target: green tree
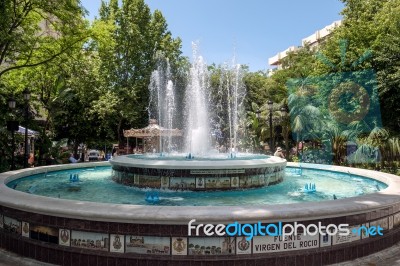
(128, 59)
(34, 32)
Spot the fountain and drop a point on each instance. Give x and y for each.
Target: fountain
(76, 212)
(198, 167)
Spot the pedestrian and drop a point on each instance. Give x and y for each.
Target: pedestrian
(279, 153)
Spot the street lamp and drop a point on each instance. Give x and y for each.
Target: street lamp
(285, 129)
(258, 112)
(27, 96)
(12, 126)
(11, 103)
(270, 107)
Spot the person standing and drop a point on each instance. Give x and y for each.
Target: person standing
(72, 159)
(279, 153)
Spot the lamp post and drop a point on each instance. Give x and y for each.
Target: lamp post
(285, 130)
(258, 112)
(27, 96)
(270, 107)
(12, 126)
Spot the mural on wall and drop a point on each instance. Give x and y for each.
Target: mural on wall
(179, 245)
(384, 223)
(25, 229)
(338, 239)
(64, 237)
(44, 233)
(12, 225)
(211, 245)
(255, 181)
(117, 243)
(182, 183)
(245, 181)
(218, 182)
(147, 245)
(89, 240)
(149, 181)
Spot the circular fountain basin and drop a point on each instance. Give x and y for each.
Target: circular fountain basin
(48, 229)
(215, 172)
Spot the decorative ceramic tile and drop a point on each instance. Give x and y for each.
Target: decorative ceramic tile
(1, 221)
(261, 180)
(354, 235)
(218, 182)
(235, 181)
(147, 245)
(245, 181)
(255, 180)
(89, 240)
(44, 233)
(200, 182)
(384, 223)
(117, 243)
(396, 219)
(182, 182)
(267, 244)
(364, 233)
(164, 182)
(391, 222)
(149, 181)
(25, 229)
(211, 246)
(325, 240)
(64, 237)
(179, 245)
(12, 225)
(243, 246)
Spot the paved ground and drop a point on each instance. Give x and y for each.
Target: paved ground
(11, 259)
(387, 257)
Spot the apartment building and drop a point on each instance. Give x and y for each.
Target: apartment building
(314, 40)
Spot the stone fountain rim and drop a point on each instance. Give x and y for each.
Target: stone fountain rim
(141, 214)
(236, 163)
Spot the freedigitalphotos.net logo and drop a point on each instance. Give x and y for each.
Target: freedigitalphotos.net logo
(338, 105)
(279, 229)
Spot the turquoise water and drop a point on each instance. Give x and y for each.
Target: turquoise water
(96, 185)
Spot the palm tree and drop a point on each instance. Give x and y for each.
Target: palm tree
(306, 119)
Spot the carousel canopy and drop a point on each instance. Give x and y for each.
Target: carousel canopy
(31, 133)
(152, 130)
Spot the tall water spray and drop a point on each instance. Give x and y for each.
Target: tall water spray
(238, 94)
(162, 103)
(205, 108)
(228, 105)
(197, 140)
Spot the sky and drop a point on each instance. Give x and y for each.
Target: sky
(250, 31)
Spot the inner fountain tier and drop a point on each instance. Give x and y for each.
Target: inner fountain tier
(218, 172)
